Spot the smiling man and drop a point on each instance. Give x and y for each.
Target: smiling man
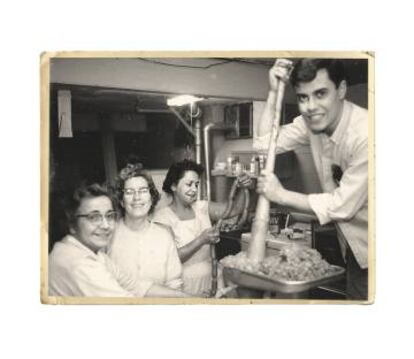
(337, 132)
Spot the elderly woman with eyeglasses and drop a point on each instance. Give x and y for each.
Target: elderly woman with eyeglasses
(78, 264)
(140, 247)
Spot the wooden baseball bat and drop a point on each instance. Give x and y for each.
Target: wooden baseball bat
(257, 245)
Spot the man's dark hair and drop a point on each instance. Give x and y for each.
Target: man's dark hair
(306, 69)
(177, 171)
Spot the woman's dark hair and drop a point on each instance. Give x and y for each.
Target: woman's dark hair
(131, 171)
(73, 202)
(306, 69)
(177, 171)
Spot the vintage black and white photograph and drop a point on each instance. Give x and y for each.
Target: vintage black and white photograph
(207, 177)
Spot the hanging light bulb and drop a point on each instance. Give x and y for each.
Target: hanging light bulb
(183, 100)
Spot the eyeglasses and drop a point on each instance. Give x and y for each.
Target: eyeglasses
(131, 191)
(97, 218)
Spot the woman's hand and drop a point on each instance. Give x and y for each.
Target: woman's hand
(210, 236)
(244, 180)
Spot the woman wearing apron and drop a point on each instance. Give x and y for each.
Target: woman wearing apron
(190, 220)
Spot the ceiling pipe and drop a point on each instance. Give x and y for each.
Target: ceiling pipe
(142, 110)
(207, 129)
(196, 132)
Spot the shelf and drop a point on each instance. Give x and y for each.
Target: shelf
(216, 173)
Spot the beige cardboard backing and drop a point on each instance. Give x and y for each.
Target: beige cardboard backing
(45, 59)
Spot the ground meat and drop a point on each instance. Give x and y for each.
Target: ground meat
(240, 261)
(292, 263)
